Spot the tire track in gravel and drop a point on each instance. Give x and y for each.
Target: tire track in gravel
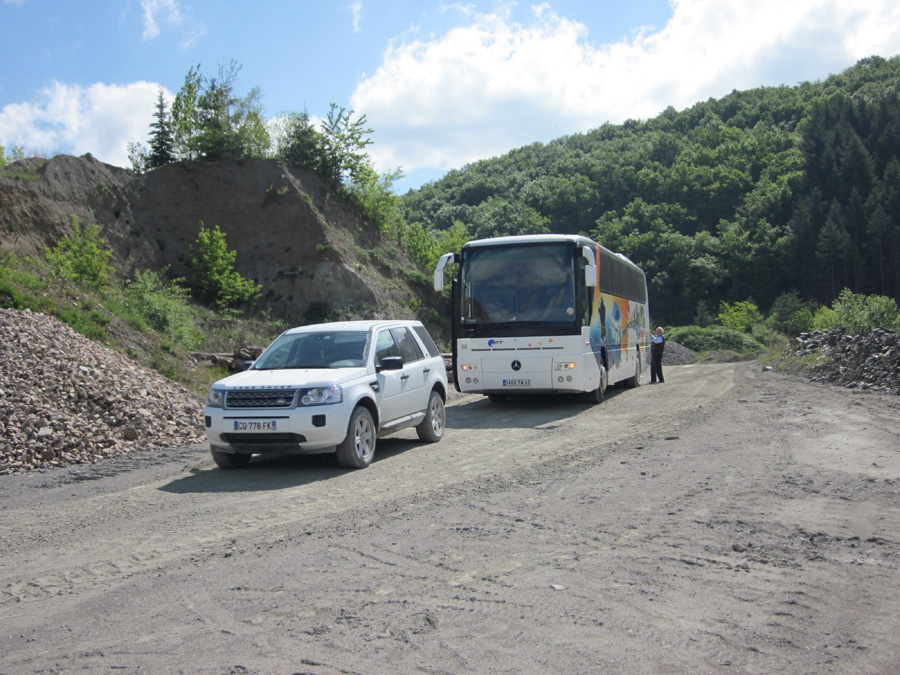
(66, 547)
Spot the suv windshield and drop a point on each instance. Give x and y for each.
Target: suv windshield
(334, 349)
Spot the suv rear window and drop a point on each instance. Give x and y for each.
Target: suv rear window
(426, 340)
(406, 343)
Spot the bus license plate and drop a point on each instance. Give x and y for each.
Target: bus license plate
(516, 383)
(255, 425)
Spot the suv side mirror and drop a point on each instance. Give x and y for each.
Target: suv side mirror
(391, 363)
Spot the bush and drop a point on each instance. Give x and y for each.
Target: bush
(800, 322)
(82, 258)
(791, 315)
(213, 278)
(714, 338)
(858, 314)
(164, 306)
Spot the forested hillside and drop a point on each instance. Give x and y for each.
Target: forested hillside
(751, 196)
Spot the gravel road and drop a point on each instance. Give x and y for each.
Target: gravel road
(729, 520)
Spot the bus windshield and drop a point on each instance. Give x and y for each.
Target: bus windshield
(514, 284)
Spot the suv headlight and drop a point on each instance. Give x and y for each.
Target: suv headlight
(216, 398)
(322, 395)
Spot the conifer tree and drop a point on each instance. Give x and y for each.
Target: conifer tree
(162, 136)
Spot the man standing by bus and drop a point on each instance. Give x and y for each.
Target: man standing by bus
(657, 347)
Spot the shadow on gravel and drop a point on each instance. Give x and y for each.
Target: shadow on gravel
(267, 473)
(519, 412)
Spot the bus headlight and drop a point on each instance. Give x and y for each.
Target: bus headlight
(469, 368)
(564, 366)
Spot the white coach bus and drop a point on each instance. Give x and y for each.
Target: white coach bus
(545, 314)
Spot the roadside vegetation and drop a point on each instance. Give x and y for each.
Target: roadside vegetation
(158, 322)
(740, 331)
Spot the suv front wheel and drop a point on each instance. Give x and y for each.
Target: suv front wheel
(229, 460)
(358, 447)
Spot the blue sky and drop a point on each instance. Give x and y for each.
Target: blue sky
(441, 84)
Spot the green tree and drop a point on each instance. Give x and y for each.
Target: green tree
(213, 278)
(162, 136)
(878, 230)
(740, 317)
(376, 195)
(83, 257)
(832, 247)
(344, 141)
(185, 115)
(299, 144)
(17, 153)
(138, 156)
(230, 126)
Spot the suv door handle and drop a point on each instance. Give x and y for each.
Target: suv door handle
(405, 376)
(427, 370)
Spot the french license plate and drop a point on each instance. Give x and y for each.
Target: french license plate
(255, 425)
(516, 383)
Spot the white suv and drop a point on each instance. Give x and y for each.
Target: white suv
(331, 387)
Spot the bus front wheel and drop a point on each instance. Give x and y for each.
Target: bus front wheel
(596, 396)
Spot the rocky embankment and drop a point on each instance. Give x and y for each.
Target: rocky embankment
(865, 361)
(67, 400)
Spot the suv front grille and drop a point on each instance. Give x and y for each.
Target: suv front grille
(256, 398)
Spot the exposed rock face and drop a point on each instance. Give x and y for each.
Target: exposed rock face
(288, 230)
(67, 400)
(866, 361)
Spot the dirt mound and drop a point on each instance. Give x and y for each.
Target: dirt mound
(67, 400)
(313, 253)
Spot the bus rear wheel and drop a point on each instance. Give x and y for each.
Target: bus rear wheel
(635, 381)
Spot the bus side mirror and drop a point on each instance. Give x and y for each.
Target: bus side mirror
(439, 270)
(590, 269)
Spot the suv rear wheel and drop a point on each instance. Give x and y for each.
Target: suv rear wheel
(431, 429)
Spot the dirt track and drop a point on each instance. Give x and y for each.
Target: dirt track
(730, 520)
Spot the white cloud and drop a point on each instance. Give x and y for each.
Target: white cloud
(356, 9)
(486, 87)
(193, 36)
(101, 119)
(156, 11)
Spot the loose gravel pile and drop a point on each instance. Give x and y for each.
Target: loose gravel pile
(67, 400)
(869, 361)
(675, 354)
